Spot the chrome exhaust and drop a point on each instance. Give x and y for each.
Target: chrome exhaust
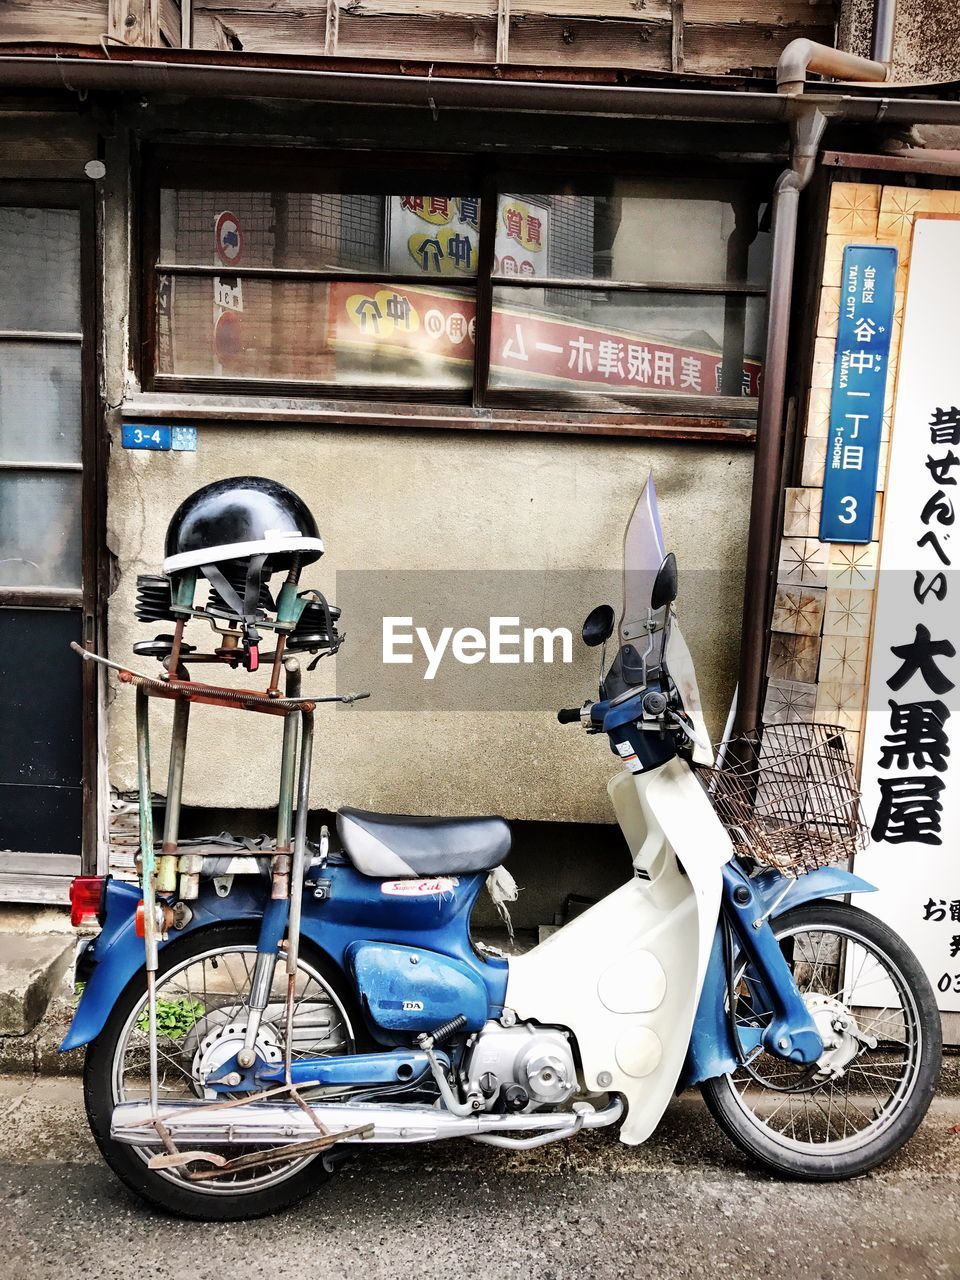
(257, 1123)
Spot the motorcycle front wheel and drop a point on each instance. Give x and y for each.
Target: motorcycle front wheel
(867, 1093)
(203, 982)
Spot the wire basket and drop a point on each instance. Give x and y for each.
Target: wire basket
(788, 796)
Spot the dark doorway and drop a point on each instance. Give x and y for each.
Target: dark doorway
(49, 539)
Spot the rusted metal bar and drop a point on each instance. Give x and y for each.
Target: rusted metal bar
(213, 695)
(291, 1151)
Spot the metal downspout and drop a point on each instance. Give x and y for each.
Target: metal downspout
(807, 127)
(884, 24)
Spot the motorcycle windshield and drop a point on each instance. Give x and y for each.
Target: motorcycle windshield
(643, 554)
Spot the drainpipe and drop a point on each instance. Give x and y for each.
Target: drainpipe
(884, 22)
(806, 130)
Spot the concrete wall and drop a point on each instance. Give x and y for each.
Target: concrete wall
(926, 43)
(435, 500)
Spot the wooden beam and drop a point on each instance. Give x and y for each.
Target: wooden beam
(135, 22)
(503, 31)
(676, 44)
(332, 33)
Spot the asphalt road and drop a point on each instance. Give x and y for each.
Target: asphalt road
(686, 1204)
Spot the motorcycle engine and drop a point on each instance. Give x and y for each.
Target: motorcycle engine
(521, 1068)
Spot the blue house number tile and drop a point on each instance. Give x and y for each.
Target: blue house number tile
(147, 435)
(137, 435)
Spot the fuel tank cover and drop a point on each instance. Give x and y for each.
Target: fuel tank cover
(413, 989)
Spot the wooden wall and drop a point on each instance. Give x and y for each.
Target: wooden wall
(706, 36)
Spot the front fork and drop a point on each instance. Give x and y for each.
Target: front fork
(791, 1033)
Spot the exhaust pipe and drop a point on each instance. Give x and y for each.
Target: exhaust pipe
(255, 1124)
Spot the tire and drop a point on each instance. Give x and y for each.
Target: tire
(170, 1192)
(837, 1157)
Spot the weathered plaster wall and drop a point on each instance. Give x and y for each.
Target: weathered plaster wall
(432, 501)
(926, 40)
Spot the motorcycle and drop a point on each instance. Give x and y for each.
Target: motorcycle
(275, 1031)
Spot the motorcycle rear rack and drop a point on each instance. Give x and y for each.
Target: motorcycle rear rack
(159, 874)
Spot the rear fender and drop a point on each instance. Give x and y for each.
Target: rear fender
(118, 953)
(712, 1052)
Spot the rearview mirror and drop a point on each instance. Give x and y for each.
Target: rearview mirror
(598, 625)
(665, 584)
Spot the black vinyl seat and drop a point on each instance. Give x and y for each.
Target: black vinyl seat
(394, 845)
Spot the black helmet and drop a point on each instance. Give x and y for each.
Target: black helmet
(239, 519)
(237, 533)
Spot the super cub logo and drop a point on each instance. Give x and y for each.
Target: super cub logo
(419, 888)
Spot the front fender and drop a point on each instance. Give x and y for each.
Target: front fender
(712, 1052)
(118, 953)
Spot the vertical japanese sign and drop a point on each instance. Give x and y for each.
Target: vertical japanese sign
(227, 289)
(433, 235)
(859, 384)
(523, 238)
(911, 806)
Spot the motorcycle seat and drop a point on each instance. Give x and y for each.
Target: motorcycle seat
(395, 845)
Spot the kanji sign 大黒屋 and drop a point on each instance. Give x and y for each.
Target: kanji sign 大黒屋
(909, 745)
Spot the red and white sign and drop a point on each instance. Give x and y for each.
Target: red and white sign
(228, 239)
(419, 888)
(537, 347)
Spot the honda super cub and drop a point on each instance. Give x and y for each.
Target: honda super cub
(253, 1011)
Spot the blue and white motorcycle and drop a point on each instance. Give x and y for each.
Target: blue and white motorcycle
(271, 1035)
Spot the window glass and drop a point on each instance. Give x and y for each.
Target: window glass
(638, 230)
(594, 340)
(431, 235)
(40, 280)
(39, 402)
(39, 529)
(339, 332)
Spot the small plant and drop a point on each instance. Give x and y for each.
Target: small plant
(175, 1018)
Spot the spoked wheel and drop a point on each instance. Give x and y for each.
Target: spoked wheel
(868, 1092)
(203, 983)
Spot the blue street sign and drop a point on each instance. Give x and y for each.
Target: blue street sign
(140, 435)
(859, 387)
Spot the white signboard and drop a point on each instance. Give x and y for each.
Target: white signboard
(911, 761)
(439, 236)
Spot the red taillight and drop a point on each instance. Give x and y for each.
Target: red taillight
(86, 894)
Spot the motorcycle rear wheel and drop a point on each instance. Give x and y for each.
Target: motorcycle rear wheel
(802, 1122)
(114, 1067)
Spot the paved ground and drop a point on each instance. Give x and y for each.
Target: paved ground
(684, 1205)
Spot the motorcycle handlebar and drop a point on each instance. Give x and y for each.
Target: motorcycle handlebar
(569, 715)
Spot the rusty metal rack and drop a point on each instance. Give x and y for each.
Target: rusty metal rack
(177, 867)
(788, 796)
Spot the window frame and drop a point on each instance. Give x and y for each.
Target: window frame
(548, 409)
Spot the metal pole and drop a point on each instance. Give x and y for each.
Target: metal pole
(167, 871)
(296, 880)
(884, 26)
(148, 882)
(261, 983)
(288, 762)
